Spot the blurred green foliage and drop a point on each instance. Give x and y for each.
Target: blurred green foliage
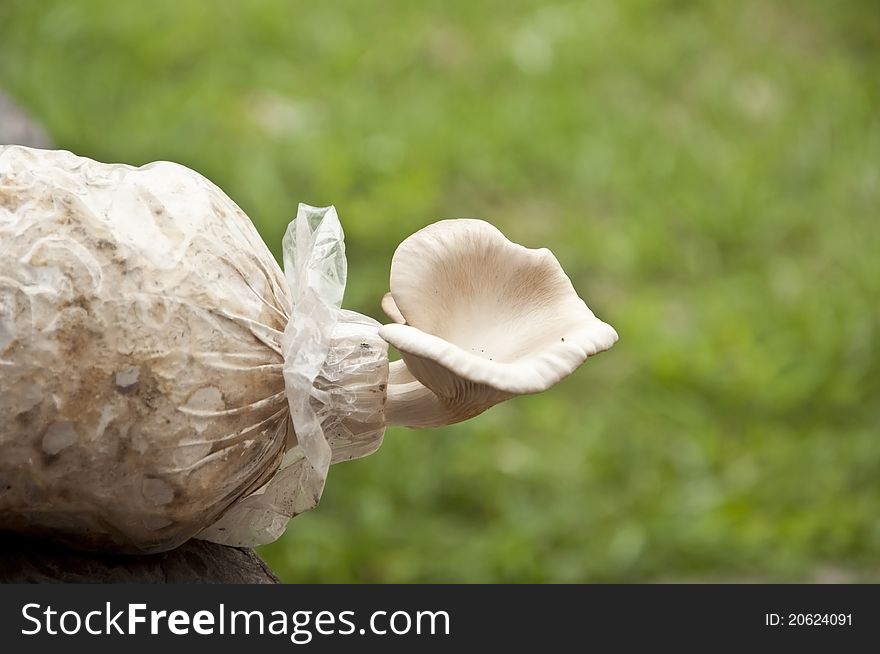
(708, 173)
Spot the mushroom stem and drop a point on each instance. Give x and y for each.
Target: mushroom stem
(398, 373)
(410, 403)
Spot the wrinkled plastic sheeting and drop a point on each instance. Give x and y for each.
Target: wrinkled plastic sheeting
(160, 376)
(335, 374)
(141, 366)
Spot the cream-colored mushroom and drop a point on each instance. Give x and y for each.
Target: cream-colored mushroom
(479, 319)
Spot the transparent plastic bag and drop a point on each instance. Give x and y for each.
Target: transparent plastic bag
(335, 370)
(160, 377)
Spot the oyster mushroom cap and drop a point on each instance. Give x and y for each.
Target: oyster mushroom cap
(486, 318)
(391, 310)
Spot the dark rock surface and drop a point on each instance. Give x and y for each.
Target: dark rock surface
(16, 128)
(23, 560)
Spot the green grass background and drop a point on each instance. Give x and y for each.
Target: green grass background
(708, 173)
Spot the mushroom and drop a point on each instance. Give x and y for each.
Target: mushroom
(477, 320)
